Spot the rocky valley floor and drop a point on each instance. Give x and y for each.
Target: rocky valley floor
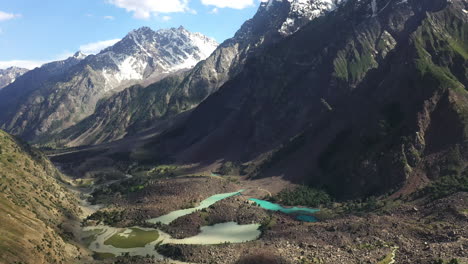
(400, 230)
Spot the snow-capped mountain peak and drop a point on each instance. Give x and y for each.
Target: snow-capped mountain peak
(145, 52)
(9, 75)
(79, 55)
(185, 48)
(301, 12)
(80, 81)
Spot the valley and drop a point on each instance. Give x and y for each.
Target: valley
(208, 217)
(411, 227)
(321, 132)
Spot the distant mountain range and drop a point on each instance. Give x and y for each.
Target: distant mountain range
(9, 75)
(139, 108)
(59, 94)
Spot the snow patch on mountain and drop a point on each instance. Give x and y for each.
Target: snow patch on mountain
(79, 55)
(10, 75)
(269, 3)
(144, 53)
(186, 49)
(128, 69)
(303, 11)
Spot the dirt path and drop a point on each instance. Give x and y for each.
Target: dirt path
(263, 190)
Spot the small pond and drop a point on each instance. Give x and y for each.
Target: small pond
(109, 241)
(117, 241)
(168, 218)
(230, 232)
(303, 213)
(138, 241)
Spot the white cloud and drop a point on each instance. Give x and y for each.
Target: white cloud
(7, 16)
(236, 4)
(109, 17)
(21, 63)
(96, 47)
(144, 9)
(90, 48)
(31, 64)
(166, 18)
(214, 11)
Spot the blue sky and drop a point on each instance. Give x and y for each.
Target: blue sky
(37, 31)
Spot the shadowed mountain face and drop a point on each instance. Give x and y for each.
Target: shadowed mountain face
(139, 108)
(33, 207)
(360, 101)
(60, 94)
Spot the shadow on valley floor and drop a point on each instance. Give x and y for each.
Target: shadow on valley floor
(263, 258)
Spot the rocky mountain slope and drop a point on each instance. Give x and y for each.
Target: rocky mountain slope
(33, 207)
(138, 108)
(9, 75)
(16, 96)
(60, 94)
(372, 95)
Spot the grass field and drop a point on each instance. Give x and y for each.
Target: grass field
(132, 238)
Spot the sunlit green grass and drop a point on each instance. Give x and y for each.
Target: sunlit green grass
(136, 238)
(390, 258)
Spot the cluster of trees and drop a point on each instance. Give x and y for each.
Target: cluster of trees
(447, 185)
(229, 168)
(119, 188)
(171, 251)
(303, 195)
(268, 223)
(163, 171)
(107, 217)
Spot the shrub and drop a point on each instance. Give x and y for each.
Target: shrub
(170, 251)
(447, 185)
(229, 168)
(304, 196)
(107, 217)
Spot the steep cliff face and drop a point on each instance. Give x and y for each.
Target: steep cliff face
(363, 100)
(33, 206)
(60, 94)
(131, 111)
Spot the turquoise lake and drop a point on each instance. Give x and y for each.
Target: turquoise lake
(302, 212)
(230, 232)
(167, 219)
